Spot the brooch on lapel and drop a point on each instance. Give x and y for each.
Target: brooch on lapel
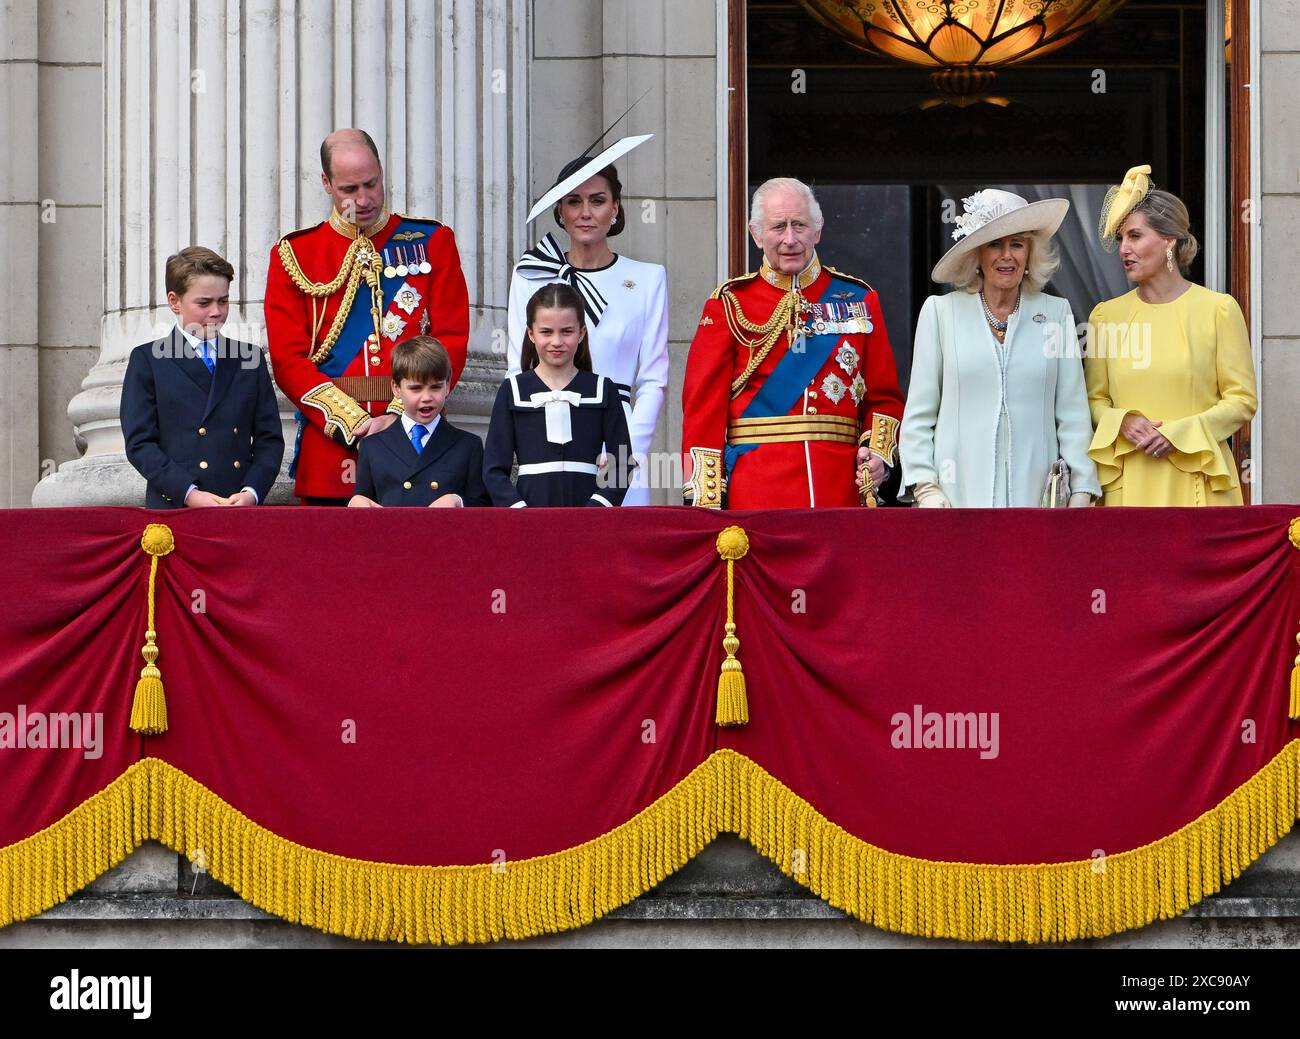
(1039, 318)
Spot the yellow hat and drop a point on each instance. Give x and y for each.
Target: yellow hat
(1121, 200)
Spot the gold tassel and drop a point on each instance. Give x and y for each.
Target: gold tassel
(733, 705)
(149, 708)
(1295, 686)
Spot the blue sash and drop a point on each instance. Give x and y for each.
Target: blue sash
(359, 325)
(782, 388)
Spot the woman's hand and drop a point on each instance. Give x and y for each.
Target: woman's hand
(930, 496)
(1145, 435)
(360, 501)
(448, 501)
(1080, 500)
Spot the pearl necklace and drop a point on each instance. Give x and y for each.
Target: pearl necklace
(999, 327)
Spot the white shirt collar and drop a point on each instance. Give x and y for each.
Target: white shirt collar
(195, 341)
(409, 423)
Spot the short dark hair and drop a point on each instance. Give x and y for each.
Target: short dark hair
(327, 152)
(192, 262)
(558, 295)
(610, 174)
(421, 359)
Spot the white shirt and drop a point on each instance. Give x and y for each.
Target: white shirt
(409, 424)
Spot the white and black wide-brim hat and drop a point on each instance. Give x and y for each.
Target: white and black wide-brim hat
(992, 214)
(582, 169)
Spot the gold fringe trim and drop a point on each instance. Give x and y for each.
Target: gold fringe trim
(726, 793)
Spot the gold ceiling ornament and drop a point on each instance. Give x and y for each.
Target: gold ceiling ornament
(964, 41)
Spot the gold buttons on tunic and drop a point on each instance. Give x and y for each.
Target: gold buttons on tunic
(812, 411)
(374, 348)
(203, 465)
(711, 484)
(202, 432)
(374, 360)
(236, 429)
(812, 394)
(236, 465)
(406, 484)
(433, 486)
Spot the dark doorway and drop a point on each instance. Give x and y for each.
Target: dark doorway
(883, 158)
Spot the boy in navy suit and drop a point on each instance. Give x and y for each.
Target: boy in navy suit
(198, 410)
(423, 459)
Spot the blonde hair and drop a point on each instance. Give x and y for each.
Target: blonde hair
(1167, 216)
(1044, 261)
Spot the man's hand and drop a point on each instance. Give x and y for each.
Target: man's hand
(875, 466)
(198, 499)
(371, 426)
(360, 501)
(448, 501)
(242, 498)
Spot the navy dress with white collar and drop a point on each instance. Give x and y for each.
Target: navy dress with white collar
(557, 438)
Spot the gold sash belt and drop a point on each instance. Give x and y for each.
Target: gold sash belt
(785, 429)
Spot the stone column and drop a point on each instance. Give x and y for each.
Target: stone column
(19, 220)
(213, 119)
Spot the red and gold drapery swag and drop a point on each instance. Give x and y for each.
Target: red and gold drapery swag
(425, 727)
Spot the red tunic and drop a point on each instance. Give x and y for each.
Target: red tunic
(327, 460)
(809, 458)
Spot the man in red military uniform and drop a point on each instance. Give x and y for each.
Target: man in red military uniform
(339, 296)
(790, 380)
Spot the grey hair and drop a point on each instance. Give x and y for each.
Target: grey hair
(758, 210)
(1044, 261)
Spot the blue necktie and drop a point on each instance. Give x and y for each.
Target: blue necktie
(207, 358)
(418, 433)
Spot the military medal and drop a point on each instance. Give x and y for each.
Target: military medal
(407, 298)
(401, 263)
(389, 270)
(425, 266)
(393, 326)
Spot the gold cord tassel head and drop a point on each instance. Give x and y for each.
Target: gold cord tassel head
(149, 708)
(733, 703)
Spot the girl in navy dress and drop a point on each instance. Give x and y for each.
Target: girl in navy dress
(556, 417)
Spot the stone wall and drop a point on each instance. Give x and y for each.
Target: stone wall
(1276, 83)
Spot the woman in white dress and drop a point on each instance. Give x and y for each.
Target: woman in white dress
(997, 413)
(626, 300)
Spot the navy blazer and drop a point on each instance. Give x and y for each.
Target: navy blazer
(391, 472)
(183, 426)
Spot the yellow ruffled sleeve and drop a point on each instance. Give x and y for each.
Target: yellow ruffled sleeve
(1198, 438)
(1107, 447)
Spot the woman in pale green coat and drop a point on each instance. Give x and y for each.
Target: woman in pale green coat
(997, 392)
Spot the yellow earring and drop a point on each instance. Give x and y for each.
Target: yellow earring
(1169, 258)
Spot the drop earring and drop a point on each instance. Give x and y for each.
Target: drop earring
(1169, 258)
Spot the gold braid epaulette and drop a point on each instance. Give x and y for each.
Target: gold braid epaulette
(351, 272)
(785, 318)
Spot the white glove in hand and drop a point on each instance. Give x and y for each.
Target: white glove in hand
(930, 496)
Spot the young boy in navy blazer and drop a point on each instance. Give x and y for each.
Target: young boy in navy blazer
(422, 460)
(198, 410)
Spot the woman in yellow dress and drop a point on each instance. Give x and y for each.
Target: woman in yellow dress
(1168, 366)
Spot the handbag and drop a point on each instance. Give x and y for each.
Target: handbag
(1056, 494)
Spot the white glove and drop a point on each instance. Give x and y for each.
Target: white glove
(1080, 500)
(930, 496)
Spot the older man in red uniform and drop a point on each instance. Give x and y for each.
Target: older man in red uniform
(790, 383)
(339, 296)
